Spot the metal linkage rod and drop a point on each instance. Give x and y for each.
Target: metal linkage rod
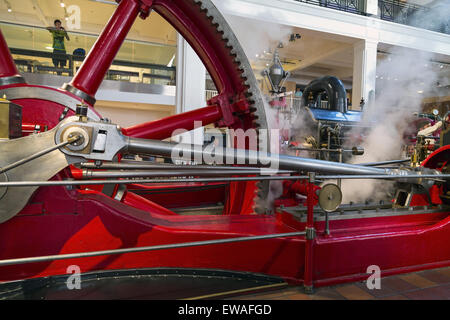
(165, 166)
(140, 181)
(324, 150)
(142, 249)
(385, 176)
(224, 179)
(381, 163)
(39, 154)
(244, 157)
(90, 174)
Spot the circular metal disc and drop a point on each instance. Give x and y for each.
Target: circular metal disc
(330, 197)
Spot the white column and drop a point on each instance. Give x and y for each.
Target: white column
(191, 78)
(364, 71)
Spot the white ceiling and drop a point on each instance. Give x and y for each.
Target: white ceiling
(314, 55)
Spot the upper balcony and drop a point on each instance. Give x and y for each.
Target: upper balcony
(136, 62)
(142, 70)
(397, 11)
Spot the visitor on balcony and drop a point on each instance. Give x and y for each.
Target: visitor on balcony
(59, 50)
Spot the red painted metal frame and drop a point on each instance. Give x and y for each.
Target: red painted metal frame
(7, 65)
(89, 221)
(58, 220)
(310, 239)
(164, 128)
(91, 73)
(181, 195)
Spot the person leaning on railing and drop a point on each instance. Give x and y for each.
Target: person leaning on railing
(59, 49)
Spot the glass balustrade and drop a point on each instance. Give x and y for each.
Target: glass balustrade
(136, 61)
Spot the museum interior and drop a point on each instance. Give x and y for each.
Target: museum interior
(225, 149)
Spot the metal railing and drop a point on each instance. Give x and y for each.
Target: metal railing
(413, 15)
(294, 104)
(33, 61)
(209, 94)
(353, 6)
(390, 10)
(396, 11)
(32, 51)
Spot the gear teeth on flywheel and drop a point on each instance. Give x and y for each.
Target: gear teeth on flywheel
(253, 94)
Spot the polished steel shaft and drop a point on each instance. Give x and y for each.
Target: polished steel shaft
(141, 165)
(245, 157)
(91, 174)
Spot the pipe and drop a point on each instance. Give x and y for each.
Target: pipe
(93, 70)
(31, 127)
(334, 88)
(142, 249)
(164, 128)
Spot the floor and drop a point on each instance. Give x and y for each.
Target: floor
(201, 284)
(424, 285)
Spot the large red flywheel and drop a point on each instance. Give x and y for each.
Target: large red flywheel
(238, 105)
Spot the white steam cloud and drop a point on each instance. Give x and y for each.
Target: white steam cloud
(403, 77)
(258, 38)
(255, 36)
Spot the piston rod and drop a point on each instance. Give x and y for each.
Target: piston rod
(244, 157)
(89, 174)
(150, 166)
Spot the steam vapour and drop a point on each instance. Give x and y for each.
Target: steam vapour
(403, 77)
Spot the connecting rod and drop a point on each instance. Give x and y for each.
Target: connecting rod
(211, 155)
(106, 141)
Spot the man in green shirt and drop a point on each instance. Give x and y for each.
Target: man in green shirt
(59, 49)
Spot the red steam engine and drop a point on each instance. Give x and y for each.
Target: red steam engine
(66, 198)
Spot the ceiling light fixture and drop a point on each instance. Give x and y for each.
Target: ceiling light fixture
(8, 5)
